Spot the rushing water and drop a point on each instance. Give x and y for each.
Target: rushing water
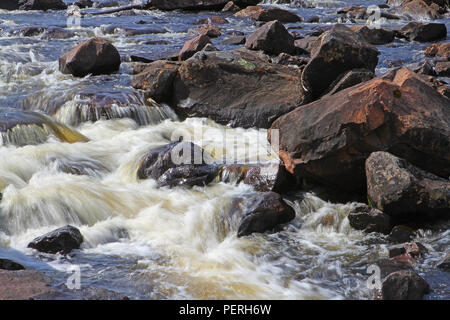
(160, 243)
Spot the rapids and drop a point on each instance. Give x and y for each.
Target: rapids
(160, 243)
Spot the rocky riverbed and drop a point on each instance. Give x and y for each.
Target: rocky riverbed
(224, 149)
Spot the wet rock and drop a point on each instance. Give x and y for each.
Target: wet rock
(350, 79)
(444, 90)
(401, 233)
(340, 50)
(260, 212)
(29, 31)
(178, 164)
(62, 240)
(213, 87)
(419, 8)
(404, 285)
(271, 14)
(413, 251)
(42, 5)
(315, 19)
(20, 128)
(400, 189)
(212, 20)
(24, 285)
(329, 140)
(210, 31)
(80, 167)
(231, 7)
(442, 68)
(189, 4)
(444, 264)
(84, 3)
(9, 4)
(6, 264)
(423, 32)
(306, 45)
(375, 36)
(354, 12)
(234, 40)
(57, 33)
(438, 50)
(96, 293)
(272, 38)
(131, 32)
(425, 67)
(95, 56)
(288, 60)
(157, 79)
(263, 177)
(194, 45)
(369, 219)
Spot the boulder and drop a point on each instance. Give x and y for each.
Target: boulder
(237, 87)
(444, 264)
(259, 212)
(95, 56)
(375, 36)
(157, 79)
(401, 233)
(288, 60)
(272, 38)
(231, 7)
(24, 285)
(369, 219)
(42, 5)
(339, 50)
(350, 79)
(420, 8)
(83, 3)
(62, 240)
(329, 140)
(442, 68)
(6, 264)
(20, 128)
(306, 45)
(234, 40)
(404, 285)
(178, 164)
(189, 4)
(400, 189)
(270, 14)
(9, 4)
(194, 45)
(438, 50)
(414, 250)
(423, 31)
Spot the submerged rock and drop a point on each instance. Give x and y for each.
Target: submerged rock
(95, 56)
(369, 219)
(62, 240)
(337, 51)
(404, 285)
(178, 164)
(20, 127)
(402, 190)
(6, 264)
(236, 87)
(272, 38)
(329, 140)
(259, 212)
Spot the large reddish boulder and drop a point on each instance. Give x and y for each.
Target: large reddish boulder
(272, 38)
(95, 56)
(329, 140)
(194, 45)
(338, 50)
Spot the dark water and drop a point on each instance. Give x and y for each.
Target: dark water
(312, 259)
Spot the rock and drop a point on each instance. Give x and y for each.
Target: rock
(420, 8)
(9, 4)
(95, 56)
(62, 240)
(263, 177)
(288, 60)
(315, 19)
(329, 140)
(211, 85)
(444, 264)
(369, 219)
(231, 7)
(212, 20)
(96, 293)
(131, 32)
(80, 167)
(42, 5)
(20, 128)
(246, 3)
(444, 90)
(404, 285)
(350, 79)
(306, 45)
(24, 285)
(340, 50)
(189, 4)
(442, 68)
(29, 31)
(210, 31)
(272, 38)
(438, 50)
(260, 212)
(401, 233)
(400, 189)
(234, 40)
(414, 250)
(194, 45)
(178, 164)
(425, 67)
(271, 14)
(423, 32)
(157, 79)
(375, 36)
(6, 264)
(84, 3)
(57, 33)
